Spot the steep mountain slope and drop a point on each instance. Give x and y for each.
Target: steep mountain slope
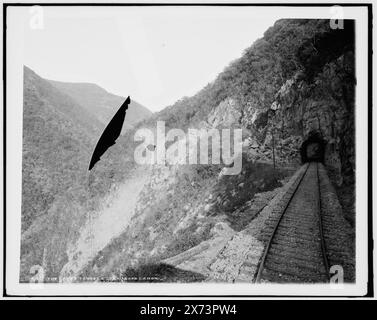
(294, 82)
(56, 130)
(298, 66)
(59, 136)
(101, 103)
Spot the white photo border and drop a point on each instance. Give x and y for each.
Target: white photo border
(13, 105)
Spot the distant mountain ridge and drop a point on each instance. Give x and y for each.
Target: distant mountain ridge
(102, 104)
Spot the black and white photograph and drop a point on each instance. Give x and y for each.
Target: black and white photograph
(198, 150)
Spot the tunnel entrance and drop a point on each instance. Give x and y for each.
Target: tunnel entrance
(313, 149)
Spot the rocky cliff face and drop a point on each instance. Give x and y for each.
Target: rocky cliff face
(324, 107)
(314, 101)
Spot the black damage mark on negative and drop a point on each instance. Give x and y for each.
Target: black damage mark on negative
(110, 134)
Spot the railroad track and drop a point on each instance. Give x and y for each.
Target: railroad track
(296, 249)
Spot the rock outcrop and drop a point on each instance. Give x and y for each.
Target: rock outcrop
(302, 109)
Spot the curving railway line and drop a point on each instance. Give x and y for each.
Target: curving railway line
(299, 237)
(296, 246)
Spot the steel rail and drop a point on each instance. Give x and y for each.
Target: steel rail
(323, 244)
(267, 248)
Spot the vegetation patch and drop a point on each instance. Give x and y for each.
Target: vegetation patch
(233, 193)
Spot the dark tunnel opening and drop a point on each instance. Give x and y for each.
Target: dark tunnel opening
(313, 149)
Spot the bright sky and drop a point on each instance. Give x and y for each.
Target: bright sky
(156, 55)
